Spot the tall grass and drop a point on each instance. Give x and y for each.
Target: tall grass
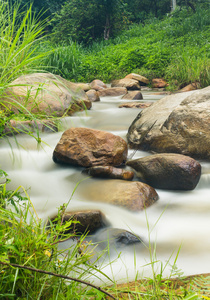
(19, 33)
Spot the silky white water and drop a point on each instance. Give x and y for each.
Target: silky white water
(177, 219)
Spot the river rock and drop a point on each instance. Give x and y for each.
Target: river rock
(93, 95)
(113, 92)
(84, 86)
(98, 85)
(45, 93)
(135, 105)
(129, 84)
(142, 80)
(131, 195)
(190, 87)
(89, 147)
(159, 83)
(168, 171)
(133, 95)
(109, 172)
(114, 237)
(177, 123)
(87, 221)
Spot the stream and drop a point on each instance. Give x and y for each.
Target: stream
(178, 222)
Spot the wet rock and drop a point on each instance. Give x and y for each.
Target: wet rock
(15, 127)
(113, 92)
(87, 221)
(98, 85)
(129, 84)
(114, 237)
(168, 171)
(142, 80)
(46, 94)
(133, 95)
(93, 95)
(132, 195)
(159, 83)
(109, 172)
(89, 147)
(178, 123)
(135, 105)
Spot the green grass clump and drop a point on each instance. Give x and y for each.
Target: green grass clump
(31, 264)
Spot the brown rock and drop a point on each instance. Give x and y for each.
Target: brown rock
(191, 87)
(89, 147)
(98, 85)
(133, 95)
(113, 92)
(135, 105)
(83, 86)
(142, 80)
(109, 172)
(132, 195)
(129, 84)
(93, 95)
(159, 83)
(168, 171)
(87, 221)
(178, 123)
(46, 94)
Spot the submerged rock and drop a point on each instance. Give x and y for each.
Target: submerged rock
(87, 221)
(135, 105)
(114, 237)
(89, 147)
(177, 123)
(131, 195)
(44, 93)
(168, 171)
(109, 172)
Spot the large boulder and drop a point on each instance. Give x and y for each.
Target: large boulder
(83, 221)
(131, 195)
(177, 123)
(129, 84)
(45, 94)
(109, 172)
(168, 171)
(89, 147)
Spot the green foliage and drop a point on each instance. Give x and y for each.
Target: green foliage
(176, 48)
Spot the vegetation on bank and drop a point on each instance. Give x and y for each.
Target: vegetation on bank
(176, 48)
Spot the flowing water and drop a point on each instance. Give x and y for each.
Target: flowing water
(177, 219)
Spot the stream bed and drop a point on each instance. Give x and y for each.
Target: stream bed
(178, 222)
